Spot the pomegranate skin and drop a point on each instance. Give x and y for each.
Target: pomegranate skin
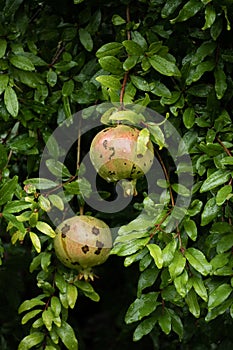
(114, 155)
(82, 242)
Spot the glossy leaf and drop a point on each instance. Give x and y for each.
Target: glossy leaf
(199, 287)
(191, 229)
(11, 101)
(45, 228)
(144, 328)
(41, 183)
(180, 283)
(31, 340)
(133, 48)
(156, 253)
(189, 117)
(142, 141)
(163, 66)
(220, 82)
(198, 260)
(210, 211)
(225, 193)
(141, 307)
(72, 294)
(164, 320)
(67, 336)
(111, 64)
(109, 82)
(35, 241)
(192, 303)
(56, 201)
(7, 190)
(86, 39)
(30, 304)
(109, 49)
(219, 295)
(177, 265)
(4, 79)
(189, 10)
(22, 62)
(28, 316)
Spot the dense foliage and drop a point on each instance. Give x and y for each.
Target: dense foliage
(168, 282)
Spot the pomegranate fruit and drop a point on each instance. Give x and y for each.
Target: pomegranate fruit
(115, 157)
(83, 242)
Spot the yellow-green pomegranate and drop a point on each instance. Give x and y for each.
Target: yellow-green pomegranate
(83, 242)
(115, 156)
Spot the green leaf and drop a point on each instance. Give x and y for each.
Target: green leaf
(118, 20)
(56, 201)
(16, 206)
(67, 335)
(44, 203)
(163, 66)
(198, 260)
(46, 229)
(30, 304)
(224, 194)
(188, 10)
(11, 101)
(60, 283)
(142, 141)
(159, 89)
(191, 229)
(51, 78)
(35, 241)
(220, 82)
(141, 307)
(47, 317)
(177, 325)
(8, 189)
(67, 88)
(56, 305)
(72, 294)
(197, 73)
(177, 265)
(170, 7)
(192, 303)
(168, 252)
(181, 190)
(140, 83)
(28, 316)
(86, 39)
(164, 320)
(130, 62)
(180, 283)
(109, 82)
(157, 135)
(41, 183)
(156, 253)
(210, 211)
(4, 79)
(111, 64)
(147, 279)
(133, 48)
(22, 62)
(14, 222)
(128, 248)
(219, 295)
(199, 287)
(3, 46)
(210, 16)
(189, 117)
(58, 169)
(205, 49)
(144, 328)
(109, 49)
(31, 340)
(127, 115)
(219, 310)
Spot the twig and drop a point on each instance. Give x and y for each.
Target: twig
(60, 49)
(224, 147)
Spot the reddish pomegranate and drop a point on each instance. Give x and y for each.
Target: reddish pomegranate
(114, 155)
(83, 242)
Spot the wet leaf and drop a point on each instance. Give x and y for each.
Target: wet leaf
(156, 253)
(198, 260)
(86, 39)
(189, 10)
(67, 336)
(163, 66)
(31, 340)
(35, 241)
(141, 307)
(219, 295)
(11, 101)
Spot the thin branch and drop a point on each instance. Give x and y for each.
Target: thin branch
(224, 147)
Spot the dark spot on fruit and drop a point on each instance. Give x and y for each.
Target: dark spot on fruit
(111, 172)
(105, 144)
(150, 160)
(138, 172)
(95, 231)
(64, 230)
(75, 263)
(139, 155)
(99, 244)
(101, 156)
(134, 166)
(98, 251)
(113, 152)
(85, 249)
(125, 163)
(144, 164)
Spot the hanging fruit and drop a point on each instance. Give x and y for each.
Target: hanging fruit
(122, 152)
(83, 242)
